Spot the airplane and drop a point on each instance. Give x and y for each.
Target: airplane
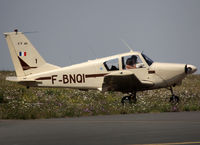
(127, 72)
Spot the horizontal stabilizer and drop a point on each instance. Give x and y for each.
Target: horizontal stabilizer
(23, 81)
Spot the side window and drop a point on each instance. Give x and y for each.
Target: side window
(131, 62)
(112, 65)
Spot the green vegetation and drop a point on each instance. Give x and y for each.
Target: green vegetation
(17, 102)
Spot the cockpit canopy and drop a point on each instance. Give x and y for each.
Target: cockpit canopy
(130, 61)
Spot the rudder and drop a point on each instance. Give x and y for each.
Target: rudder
(25, 57)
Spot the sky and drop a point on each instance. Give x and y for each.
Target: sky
(73, 31)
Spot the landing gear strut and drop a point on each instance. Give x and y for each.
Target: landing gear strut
(130, 98)
(173, 98)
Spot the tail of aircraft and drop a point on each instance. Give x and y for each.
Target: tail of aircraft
(25, 57)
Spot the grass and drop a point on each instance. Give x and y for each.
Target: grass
(17, 102)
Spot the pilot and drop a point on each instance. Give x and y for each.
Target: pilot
(131, 62)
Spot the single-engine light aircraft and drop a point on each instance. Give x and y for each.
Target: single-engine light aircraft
(127, 72)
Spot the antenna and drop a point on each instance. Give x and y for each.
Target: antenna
(126, 44)
(16, 30)
(30, 32)
(92, 51)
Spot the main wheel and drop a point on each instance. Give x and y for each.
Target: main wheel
(125, 99)
(174, 99)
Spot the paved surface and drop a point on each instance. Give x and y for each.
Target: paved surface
(180, 128)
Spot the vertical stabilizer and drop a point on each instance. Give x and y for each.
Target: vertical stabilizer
(25, 57)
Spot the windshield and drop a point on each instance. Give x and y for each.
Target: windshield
(148, 60)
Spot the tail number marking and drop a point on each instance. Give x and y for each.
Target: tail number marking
(70, 78)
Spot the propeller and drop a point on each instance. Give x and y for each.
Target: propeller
(188, 70)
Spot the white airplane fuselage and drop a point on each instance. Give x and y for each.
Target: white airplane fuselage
(90, 75)
(109, 72)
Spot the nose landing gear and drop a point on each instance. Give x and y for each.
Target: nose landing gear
(129, 98)
(173, 98)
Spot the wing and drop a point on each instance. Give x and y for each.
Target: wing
(125, 81)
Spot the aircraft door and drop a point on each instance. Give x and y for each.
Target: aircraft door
(137, 65)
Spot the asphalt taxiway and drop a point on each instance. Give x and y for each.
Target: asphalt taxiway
(154, 128)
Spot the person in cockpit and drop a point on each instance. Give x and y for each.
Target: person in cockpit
(131, 62)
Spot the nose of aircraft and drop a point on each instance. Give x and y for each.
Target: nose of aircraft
(189, 69)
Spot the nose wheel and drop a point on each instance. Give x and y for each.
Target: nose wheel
(129, 98)
(173, 98)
